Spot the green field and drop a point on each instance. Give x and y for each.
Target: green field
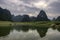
(41, 23)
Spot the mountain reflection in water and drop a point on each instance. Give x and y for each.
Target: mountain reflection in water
(29, 33)
(41, 30)
(4, 31)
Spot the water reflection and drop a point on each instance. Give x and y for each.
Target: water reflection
(29, 33)
(56, 27)
(23, 28)
(4, 31)
(52, 35)
(42, 31)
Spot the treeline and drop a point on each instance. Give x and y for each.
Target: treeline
(5, 15)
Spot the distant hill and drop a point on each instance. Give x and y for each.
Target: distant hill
(42, 16)
(33, 18)
(17, 18)
(58, 18)
(5, 15)
(25, 18)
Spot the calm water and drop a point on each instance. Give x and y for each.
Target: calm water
(29, 33)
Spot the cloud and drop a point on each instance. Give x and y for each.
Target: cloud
(32, 7)
(53, 9)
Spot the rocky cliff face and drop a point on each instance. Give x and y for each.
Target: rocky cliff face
(42, 16)
(26, 18)
(58, 18)
(5, 15)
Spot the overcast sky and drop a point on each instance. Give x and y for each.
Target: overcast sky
(32, 7)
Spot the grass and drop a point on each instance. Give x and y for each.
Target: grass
(5, 23)
(41, 23)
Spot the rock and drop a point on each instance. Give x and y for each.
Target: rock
(52, 25)
(58, 18)
(42, 16)
(26, 18)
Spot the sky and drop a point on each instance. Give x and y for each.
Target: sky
(32, 7)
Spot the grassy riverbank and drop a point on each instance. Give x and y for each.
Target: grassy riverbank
(41, 23)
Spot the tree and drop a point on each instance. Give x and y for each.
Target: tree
(42, 16)
(5, 15)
